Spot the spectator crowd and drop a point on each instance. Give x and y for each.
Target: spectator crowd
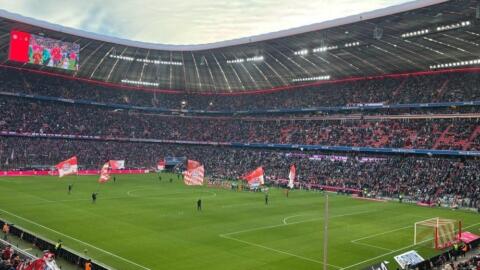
(28, 115)
(412, 89)
(430, 179)
(418, 178)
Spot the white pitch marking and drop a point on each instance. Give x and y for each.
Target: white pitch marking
(373, 246)
(382, 233)
(278, 251)
(393, 251)
(79, 241)
(227, 235)
(287, 218)
(293, 223)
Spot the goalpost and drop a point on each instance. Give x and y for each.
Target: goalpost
(441, 233)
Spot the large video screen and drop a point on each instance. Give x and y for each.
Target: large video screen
(39, 50)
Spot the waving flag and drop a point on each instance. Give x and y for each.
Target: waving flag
(255, 177)
(104, 174)
(194, 174)
(291, 176)
(161, 165)
(67, 167)
(117, 164)
(47, 262)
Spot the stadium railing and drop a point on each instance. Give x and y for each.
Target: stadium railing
(353, 108)
(437, 260)
(46, 244)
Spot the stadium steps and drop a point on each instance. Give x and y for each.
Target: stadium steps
(400, 87)
(472, 137)
(285, 134)
(441, 90)
(442, 137)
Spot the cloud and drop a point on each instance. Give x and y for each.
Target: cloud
(189, 22)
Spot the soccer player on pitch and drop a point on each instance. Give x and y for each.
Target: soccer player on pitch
(199, 205)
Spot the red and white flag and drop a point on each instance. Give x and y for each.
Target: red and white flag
(47, 262)
(194, 174)
(161, 165)
(67, 167)
(255, 177)
(291, 176)
(117, 164)
(104, 174)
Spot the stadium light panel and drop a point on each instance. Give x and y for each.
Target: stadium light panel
(249, 59)
(140, 83)
(145, 60)
(316, 78)
(325, 48)
(352, 44)
(456, 64)
(301, 52)
(453, 26)
(415, 33)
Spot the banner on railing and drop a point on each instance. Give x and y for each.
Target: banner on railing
(80, 172)
(301, 147)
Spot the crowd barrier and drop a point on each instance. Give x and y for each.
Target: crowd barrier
(80, 172)
(439, 260)
(44, 244)
(336, 189)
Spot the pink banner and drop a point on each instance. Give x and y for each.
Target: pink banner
(80, 172)
(426, 204)
(468, 237)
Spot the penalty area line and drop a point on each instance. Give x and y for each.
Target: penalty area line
(77, 240)
(283, 224)
(278, 251)
(397, 250)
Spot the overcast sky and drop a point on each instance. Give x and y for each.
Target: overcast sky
(189, 21)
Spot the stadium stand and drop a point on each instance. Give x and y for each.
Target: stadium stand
(232, 120)
(441, 87)
(23, 115)
(434, 178)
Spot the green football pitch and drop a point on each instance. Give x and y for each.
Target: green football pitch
(141, 223)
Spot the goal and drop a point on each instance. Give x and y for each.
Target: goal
(438, 232)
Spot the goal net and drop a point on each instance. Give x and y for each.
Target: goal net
(437, 232)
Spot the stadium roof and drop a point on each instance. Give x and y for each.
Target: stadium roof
(415, 36)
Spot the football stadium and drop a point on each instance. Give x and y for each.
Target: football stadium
(350, 143)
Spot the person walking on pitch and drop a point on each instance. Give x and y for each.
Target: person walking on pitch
(70, 186)
(94, 197)
(266, 198)
(199, 205)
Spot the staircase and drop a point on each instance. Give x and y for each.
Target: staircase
(399, 87)
(472, 137)
(285, 134)
(441, 90)
(442, 137)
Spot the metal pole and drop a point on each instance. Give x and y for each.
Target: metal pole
(325, 233)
